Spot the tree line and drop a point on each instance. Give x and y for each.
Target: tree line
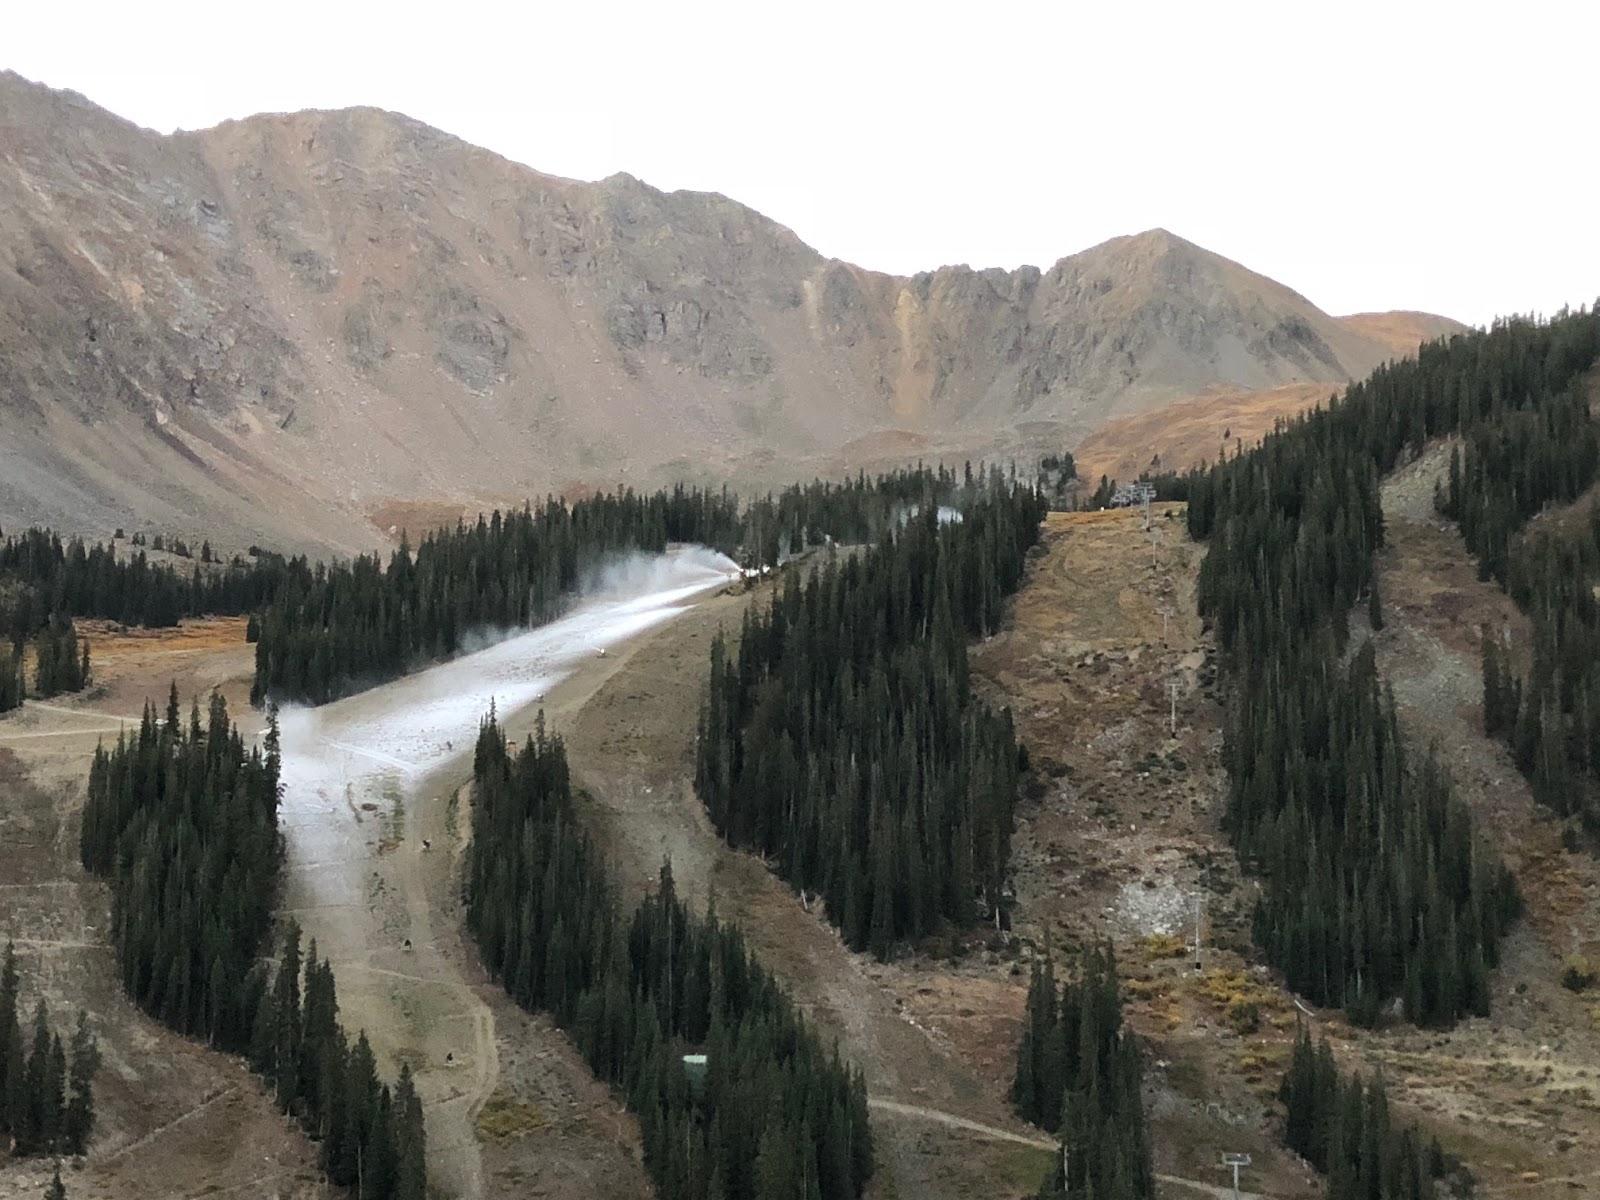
(332, 630)
(325, 630)
(1376, 885)
(1079, 1073)
(181, 818)
(343, 627)
(843, 737)
(46, 1095)
(774, 1116)
(1518, 460)
(1345, 1129)
(46, 581)
(1549, 717)
(371, 1139)
(43, 577)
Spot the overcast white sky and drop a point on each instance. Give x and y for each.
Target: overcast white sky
(1402, 154)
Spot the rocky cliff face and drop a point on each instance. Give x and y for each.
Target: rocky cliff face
(274, 327)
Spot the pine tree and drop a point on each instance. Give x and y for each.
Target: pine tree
(37, 1113)
(78, 1121)
(410, 1172)
(11, 1066)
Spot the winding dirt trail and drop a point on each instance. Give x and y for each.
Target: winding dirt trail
(951, 1121)
(161, 1130)
(878, 1104)
(103, 723)
(375, 826)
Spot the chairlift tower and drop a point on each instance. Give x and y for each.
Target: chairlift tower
(1235, 1161)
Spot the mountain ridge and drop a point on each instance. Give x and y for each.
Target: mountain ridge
(285, 323)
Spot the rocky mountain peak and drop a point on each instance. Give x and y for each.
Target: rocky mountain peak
(327, 312)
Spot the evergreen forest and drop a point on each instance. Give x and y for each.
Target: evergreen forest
(843, 738)
(1078, 1074)
(331, 631)
(1517, 460)
(1376, 885)
(371, 1139)
(46, 1090)
(1343, 1128)
(774, 1116)
(181, 819)
(43, 578)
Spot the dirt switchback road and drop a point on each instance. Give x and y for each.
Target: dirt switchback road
(374, 828)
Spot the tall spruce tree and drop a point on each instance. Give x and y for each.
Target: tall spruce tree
(78, 1121)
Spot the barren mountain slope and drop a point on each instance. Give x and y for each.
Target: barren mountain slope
(273, 328)
(1402, 332)
(1195, 429)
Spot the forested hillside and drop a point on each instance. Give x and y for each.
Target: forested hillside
(774, 1115)
(1079, 1072)
(1376, 885)
(182, 819)
(372, 1139)
(42, 576)
(355, 624)
(1520, 458)
(46, 582)
(337, 629)
(843, 738)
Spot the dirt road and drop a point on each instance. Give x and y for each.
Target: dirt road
(374, 828)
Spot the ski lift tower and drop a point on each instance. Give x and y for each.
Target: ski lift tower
(1235, 1161)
